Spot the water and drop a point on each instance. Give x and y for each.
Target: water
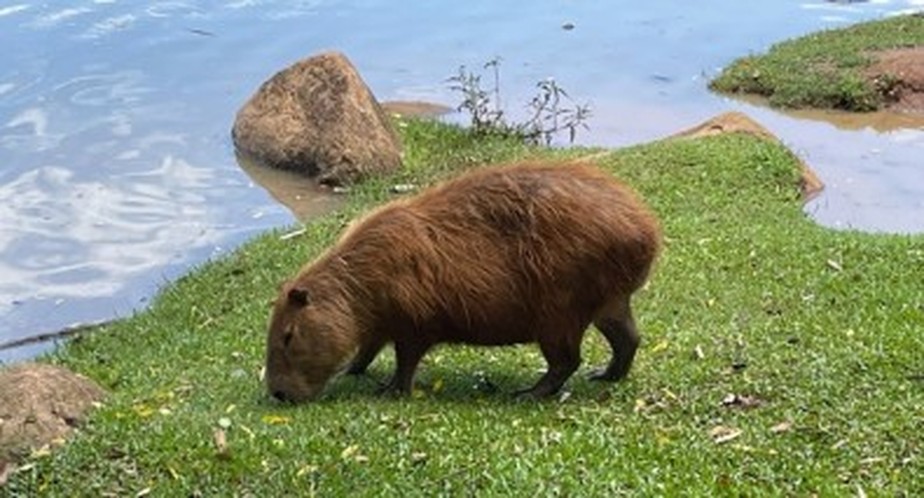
(117, 173)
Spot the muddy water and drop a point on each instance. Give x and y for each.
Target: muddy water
(117, 173)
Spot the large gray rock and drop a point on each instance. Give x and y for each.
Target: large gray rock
(319, 118)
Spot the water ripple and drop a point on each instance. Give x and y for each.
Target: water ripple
(12, 9)
(28, 130)
(54, 19)
(107, 89)
(109, 25)
(170, 9)
(72, 238)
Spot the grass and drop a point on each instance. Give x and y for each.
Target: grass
(824, 69)
(817, 332)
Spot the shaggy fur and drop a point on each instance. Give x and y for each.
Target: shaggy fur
(504, 255)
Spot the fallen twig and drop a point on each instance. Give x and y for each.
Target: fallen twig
(68, 331)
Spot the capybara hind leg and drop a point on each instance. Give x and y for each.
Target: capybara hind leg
(364, 357)
(618, 327)
(407, 356)
(563, 357)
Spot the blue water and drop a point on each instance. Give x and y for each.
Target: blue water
(117, 173)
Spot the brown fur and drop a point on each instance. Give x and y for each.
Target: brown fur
(505, 255)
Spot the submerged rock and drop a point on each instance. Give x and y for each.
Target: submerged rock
(318, 117)
(416, 108)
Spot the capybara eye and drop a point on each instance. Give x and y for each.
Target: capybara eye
(298, 296)
(286, 339)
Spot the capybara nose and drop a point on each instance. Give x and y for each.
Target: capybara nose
(281, 396)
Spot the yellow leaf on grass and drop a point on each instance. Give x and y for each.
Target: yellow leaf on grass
(275, 419)
(247, 430)
(307, 469)
(640, 404)
(661, 346)
(722, 434)
(785, 426)
(44, 451)
(143, 411)
(349, 451)
(669, 394)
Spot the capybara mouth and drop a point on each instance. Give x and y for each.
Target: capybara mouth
(280, 395)
(296, 396)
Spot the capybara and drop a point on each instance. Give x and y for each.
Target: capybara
(531, 252)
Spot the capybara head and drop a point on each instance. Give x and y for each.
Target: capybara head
(309, 341)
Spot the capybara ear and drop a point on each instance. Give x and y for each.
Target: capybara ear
(298, 296)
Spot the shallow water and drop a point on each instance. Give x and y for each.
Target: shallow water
(117, 173)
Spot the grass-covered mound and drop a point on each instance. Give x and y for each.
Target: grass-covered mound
(837, 69)
(778, 357)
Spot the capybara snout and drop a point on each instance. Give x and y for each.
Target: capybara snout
(526, 253)
(303, 350)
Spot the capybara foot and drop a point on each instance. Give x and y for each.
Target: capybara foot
(537, 392)
(526, 395)
(356, 370)
(608, 374)
(392, 389)
(387, 391)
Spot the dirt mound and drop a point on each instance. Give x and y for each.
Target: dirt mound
(736, 122)
(900, 73)
(40, 404)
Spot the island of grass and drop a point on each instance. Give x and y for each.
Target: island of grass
(865, 67)
(778, 358)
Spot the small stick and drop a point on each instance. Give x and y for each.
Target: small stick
(68, 331)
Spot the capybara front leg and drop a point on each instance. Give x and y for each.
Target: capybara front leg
(365, 356)
(563, 357)
(407, 356)
(619, 330)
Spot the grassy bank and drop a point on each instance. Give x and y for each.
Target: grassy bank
(825, 69)
(815, 334)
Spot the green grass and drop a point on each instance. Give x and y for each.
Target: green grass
(824, 69)
(824, 329)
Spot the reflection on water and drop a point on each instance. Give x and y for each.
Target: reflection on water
(117, 172)
(873, 180)
(301, 195)
(879, 121)
(870, 163)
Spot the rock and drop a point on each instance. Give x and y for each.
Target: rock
(40, 404)
(319, 118)
(737, 122)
